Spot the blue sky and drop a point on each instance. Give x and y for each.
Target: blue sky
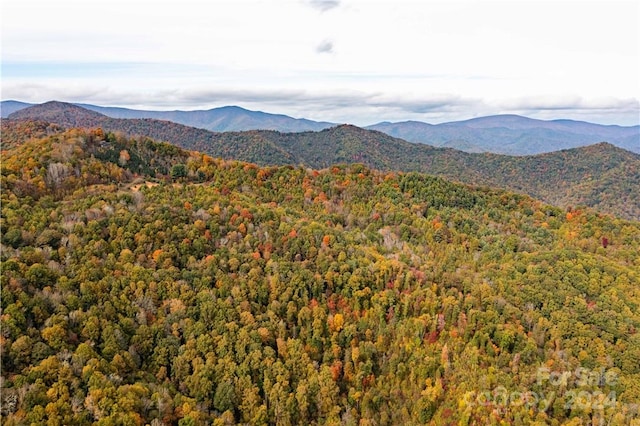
(356, 61)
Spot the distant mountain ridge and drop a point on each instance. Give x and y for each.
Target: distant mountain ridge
(513, 134)
(223, 119)
(500, 134)
(10, 106)
(600, 176)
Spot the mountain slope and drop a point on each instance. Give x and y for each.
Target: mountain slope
(143, 284)
(565, 178)
(16, 132)
(512, 134)
(600, 176)
(241, 146)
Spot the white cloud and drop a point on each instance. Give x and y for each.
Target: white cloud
(346, 105)
(554, 103)
(323, 5)
(396, 56)
(326, 46)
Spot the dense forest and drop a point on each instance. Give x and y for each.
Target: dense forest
(145, 284)
(601, 176)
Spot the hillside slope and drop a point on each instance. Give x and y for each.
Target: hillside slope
(143, 284)
(602, 176)
(244, 147)
(16, 132)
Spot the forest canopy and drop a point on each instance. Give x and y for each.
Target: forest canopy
(145, 284)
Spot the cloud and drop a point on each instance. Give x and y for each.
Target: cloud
(336, 105)
(568, 102)
(323, 5)
(427, 103)
(325, 47)
(317, 100)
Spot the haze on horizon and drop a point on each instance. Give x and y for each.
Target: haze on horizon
(351, 61)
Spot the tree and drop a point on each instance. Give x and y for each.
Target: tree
(178, 171)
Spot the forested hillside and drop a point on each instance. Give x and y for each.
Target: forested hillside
(247, 146)
(15, 132)
(144, 284)
(599, 176)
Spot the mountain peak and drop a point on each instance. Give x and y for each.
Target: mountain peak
(602, 147)
(346, 126)
(61, 113)
(54, 106)
(231, 108)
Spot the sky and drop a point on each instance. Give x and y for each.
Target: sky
(344, 61)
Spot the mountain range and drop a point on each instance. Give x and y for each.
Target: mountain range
(223, 119)
(502, 134)
(600, 176)
(513, 134)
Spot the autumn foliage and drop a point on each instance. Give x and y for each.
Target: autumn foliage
(227, 295)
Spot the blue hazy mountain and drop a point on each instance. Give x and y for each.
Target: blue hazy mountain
(9, 107)
(512, 134)
(224, 119)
